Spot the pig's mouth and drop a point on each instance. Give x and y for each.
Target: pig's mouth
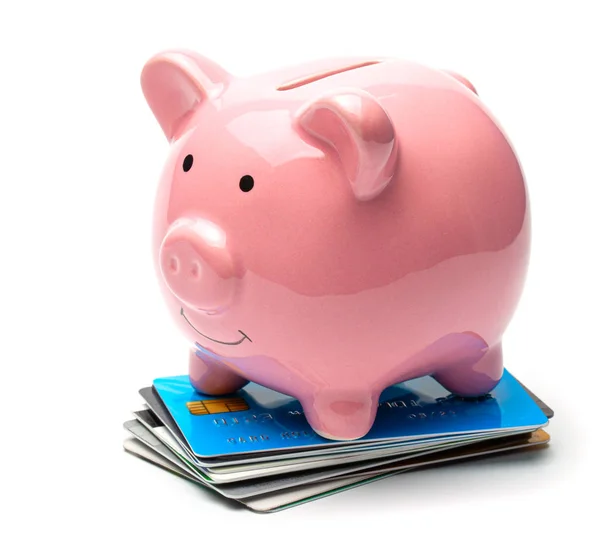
(232, 343)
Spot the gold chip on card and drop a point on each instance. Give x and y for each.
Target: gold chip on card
(218, 405)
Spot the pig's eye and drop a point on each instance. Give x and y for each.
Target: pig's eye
(188, 162)
(246, 183)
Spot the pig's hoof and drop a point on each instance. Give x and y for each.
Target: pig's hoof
(208, 376)
(341, 415)
(471, 380)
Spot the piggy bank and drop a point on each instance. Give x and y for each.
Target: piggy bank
(330, 229)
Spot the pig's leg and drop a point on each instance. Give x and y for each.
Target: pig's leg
(341, 415)
(473, 379)
(208, 376)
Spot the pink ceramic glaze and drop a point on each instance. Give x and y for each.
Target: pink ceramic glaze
(331, 229)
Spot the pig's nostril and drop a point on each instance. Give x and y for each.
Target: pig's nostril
(173, 265)
(195, 271)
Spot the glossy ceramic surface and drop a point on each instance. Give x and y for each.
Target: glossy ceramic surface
(331, 229)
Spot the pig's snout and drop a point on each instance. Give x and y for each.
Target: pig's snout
(196, 265)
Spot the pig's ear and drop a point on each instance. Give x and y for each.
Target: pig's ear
(462, 80)
(175, 83)
(358, 128)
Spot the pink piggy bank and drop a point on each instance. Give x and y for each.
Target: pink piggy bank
(331, 229)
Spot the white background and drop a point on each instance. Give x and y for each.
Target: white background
(82, 325)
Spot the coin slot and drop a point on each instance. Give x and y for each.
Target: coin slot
(318, 76)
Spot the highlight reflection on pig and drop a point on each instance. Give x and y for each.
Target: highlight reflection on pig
(331, 229)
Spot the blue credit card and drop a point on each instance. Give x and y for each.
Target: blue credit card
(256, 419)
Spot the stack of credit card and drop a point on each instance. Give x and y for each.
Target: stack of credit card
(256, 447)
